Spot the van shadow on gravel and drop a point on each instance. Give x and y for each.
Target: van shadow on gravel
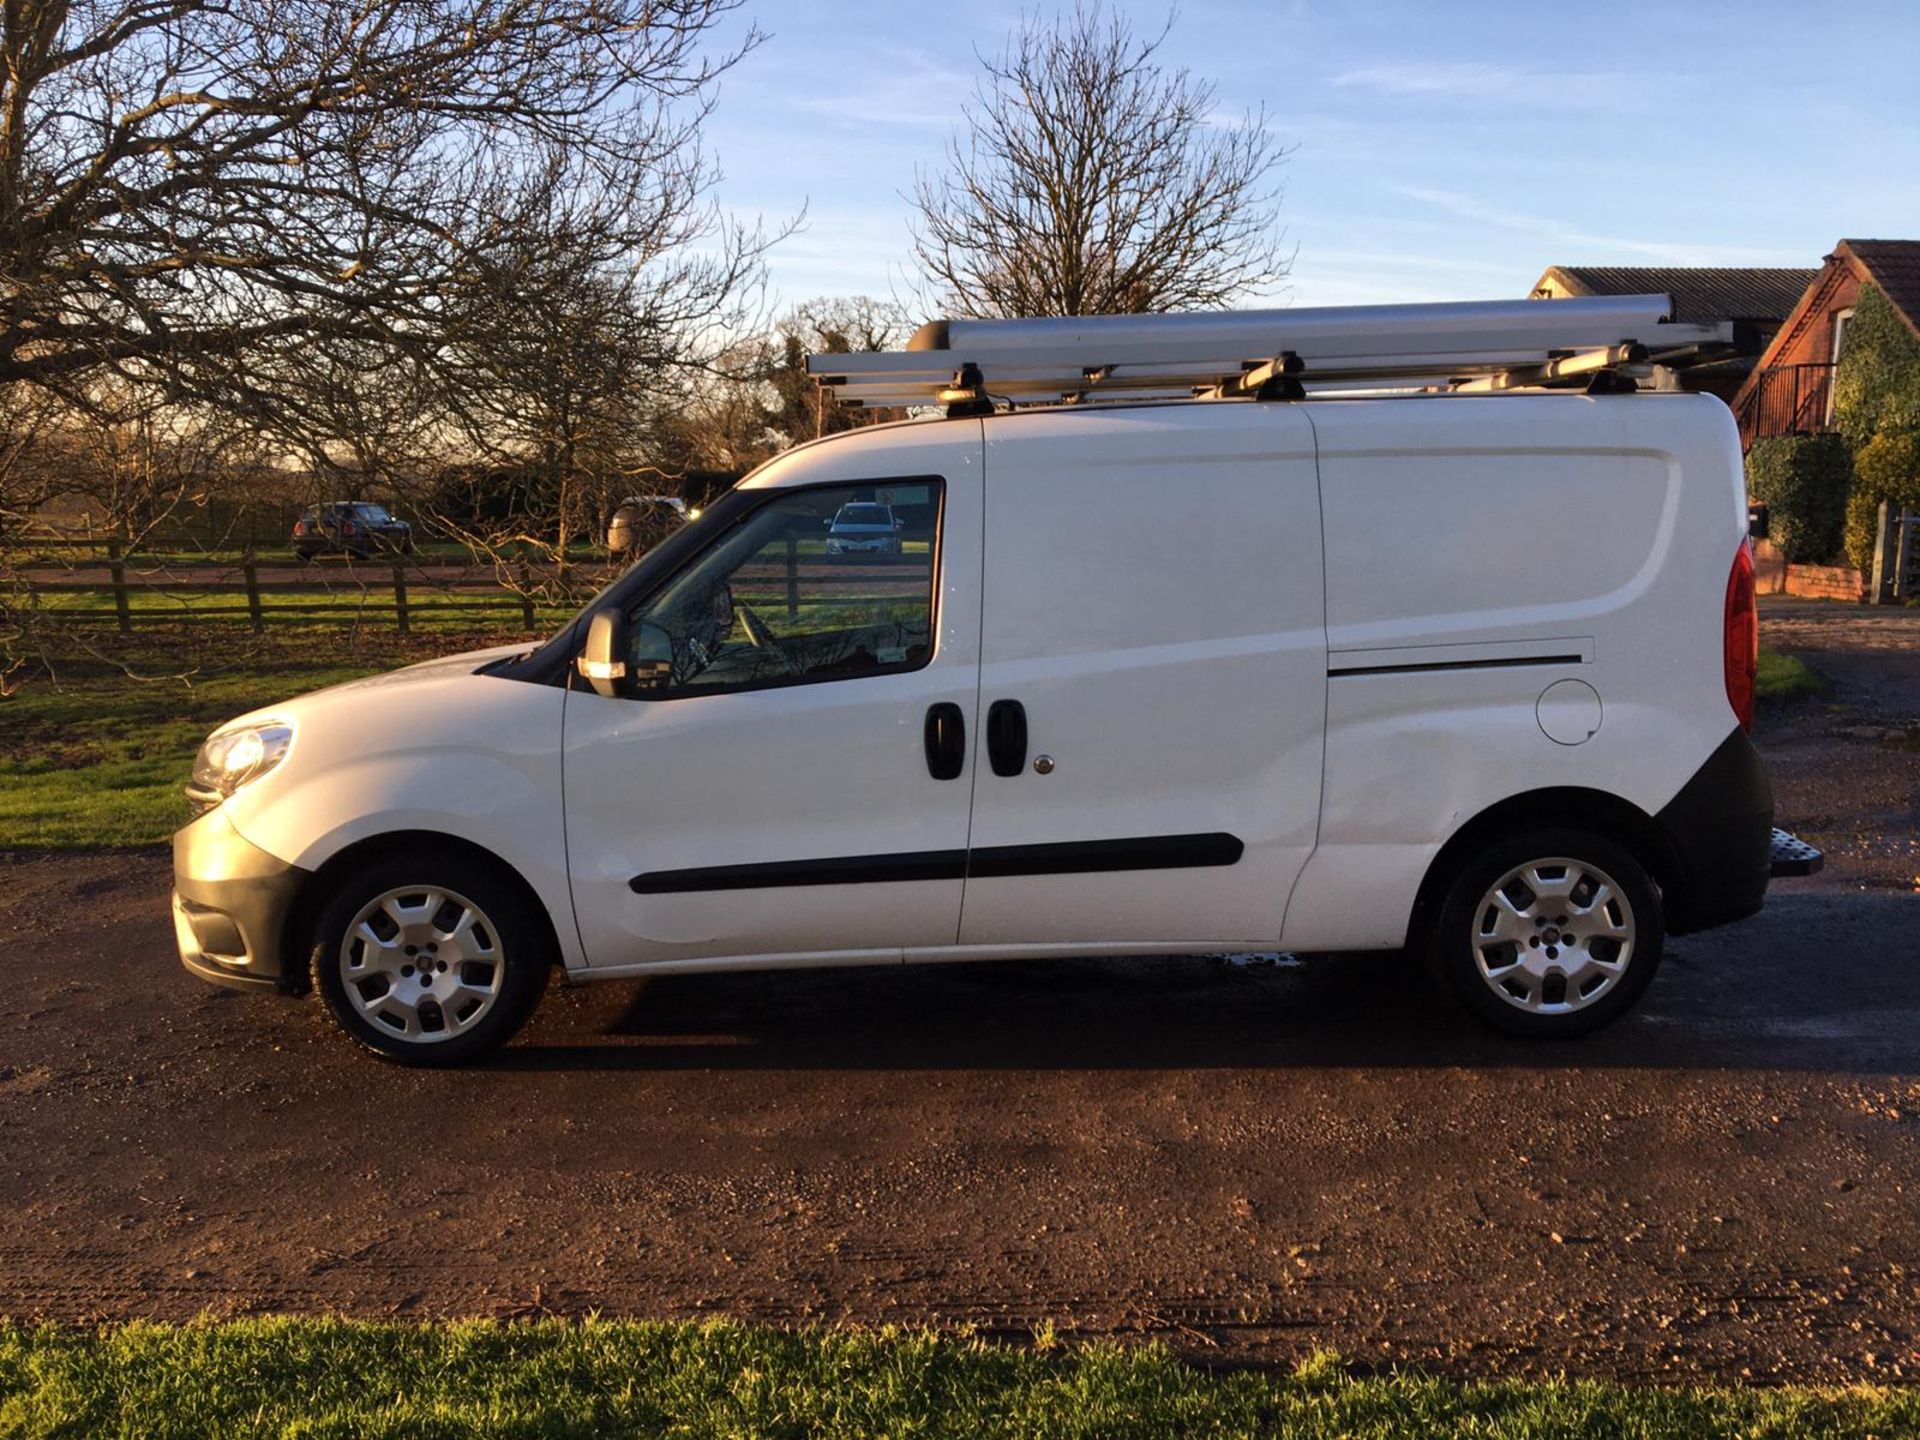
(1820, 982)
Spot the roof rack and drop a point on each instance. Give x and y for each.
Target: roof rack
(1605, 343)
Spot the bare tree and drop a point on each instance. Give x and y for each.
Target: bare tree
(1093, 180)
(379, 236)
(757, 398)
(135, 461)
(195, 191)
(559, 340)
(847, 325)
(368, 417)
(30, 458)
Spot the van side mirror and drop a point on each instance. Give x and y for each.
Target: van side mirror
(1757, 522)
(603, 660)
(652, 659)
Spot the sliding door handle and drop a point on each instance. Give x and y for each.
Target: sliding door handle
(946, 740)
(1007, 737)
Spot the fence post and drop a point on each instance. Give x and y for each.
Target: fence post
(1883, 543)
(793, 576)
(400, 595)
(249, 570)
(1904, 557)
(526, 595)
(117, 568)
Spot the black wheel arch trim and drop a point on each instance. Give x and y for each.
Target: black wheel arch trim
(1559, 807)
(1708, 848)
(311, 899)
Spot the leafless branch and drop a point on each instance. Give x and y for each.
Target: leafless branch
(1092, 180)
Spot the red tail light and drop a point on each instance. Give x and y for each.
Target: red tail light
(1742, 640)
(349, 528)
(299, 527)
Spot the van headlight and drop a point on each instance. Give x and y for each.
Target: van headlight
(232, 758)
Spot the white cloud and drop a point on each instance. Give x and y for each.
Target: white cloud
(891, 86)
(1481, 81)
(1561, 232)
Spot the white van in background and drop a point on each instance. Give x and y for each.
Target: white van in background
(1469, 674)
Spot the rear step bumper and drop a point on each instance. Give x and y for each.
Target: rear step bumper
(1793, 856)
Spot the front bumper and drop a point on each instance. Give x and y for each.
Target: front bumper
(231, 901)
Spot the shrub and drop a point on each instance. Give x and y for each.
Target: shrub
(1887, 467)
(1876, 385)
(1803, 481)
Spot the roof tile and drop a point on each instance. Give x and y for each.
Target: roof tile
(1701, 294)
(1895, 268)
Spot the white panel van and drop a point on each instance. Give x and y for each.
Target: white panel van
(1468, 675)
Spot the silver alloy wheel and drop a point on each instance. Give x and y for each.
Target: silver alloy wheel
(422, 963)
(1553, 935)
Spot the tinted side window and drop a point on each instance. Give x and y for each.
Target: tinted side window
(775, 600)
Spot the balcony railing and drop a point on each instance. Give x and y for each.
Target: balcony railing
(1787, 400)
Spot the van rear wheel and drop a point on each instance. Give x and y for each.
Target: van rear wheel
(1550, 934)
(429, 960)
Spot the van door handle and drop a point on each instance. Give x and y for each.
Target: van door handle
(1007, 737)
(946, 740)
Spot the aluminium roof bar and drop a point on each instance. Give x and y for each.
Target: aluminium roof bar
(1501, 344)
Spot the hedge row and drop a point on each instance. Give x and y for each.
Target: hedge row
(1887, 467)
(1803, 481)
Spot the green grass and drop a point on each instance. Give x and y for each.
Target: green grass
(100, 759)
(1781, 677)
(315, 1378)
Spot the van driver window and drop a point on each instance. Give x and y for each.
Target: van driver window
(819, 584)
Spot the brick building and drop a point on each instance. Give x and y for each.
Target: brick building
(1790, 390)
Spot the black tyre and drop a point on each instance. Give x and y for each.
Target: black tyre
(430, 959)
(1549, 934)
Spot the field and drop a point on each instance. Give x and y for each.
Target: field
(96, 750)
(100, 761)
(316, 1378)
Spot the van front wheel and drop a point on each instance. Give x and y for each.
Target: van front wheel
(429, 960)
(1550, 934)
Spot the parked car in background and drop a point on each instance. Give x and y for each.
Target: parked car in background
(350, 527)
(863, 528)
(641, 522)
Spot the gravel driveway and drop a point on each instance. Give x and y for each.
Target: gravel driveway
(1249, 1162)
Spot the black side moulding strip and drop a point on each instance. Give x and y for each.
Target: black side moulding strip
(1071, 857)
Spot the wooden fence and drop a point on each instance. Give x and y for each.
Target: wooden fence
(135, 585)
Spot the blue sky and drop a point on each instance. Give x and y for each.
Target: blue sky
(1442, 151)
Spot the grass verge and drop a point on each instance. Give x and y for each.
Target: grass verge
(316, 1378)
(1782, 677)
(100, 760)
